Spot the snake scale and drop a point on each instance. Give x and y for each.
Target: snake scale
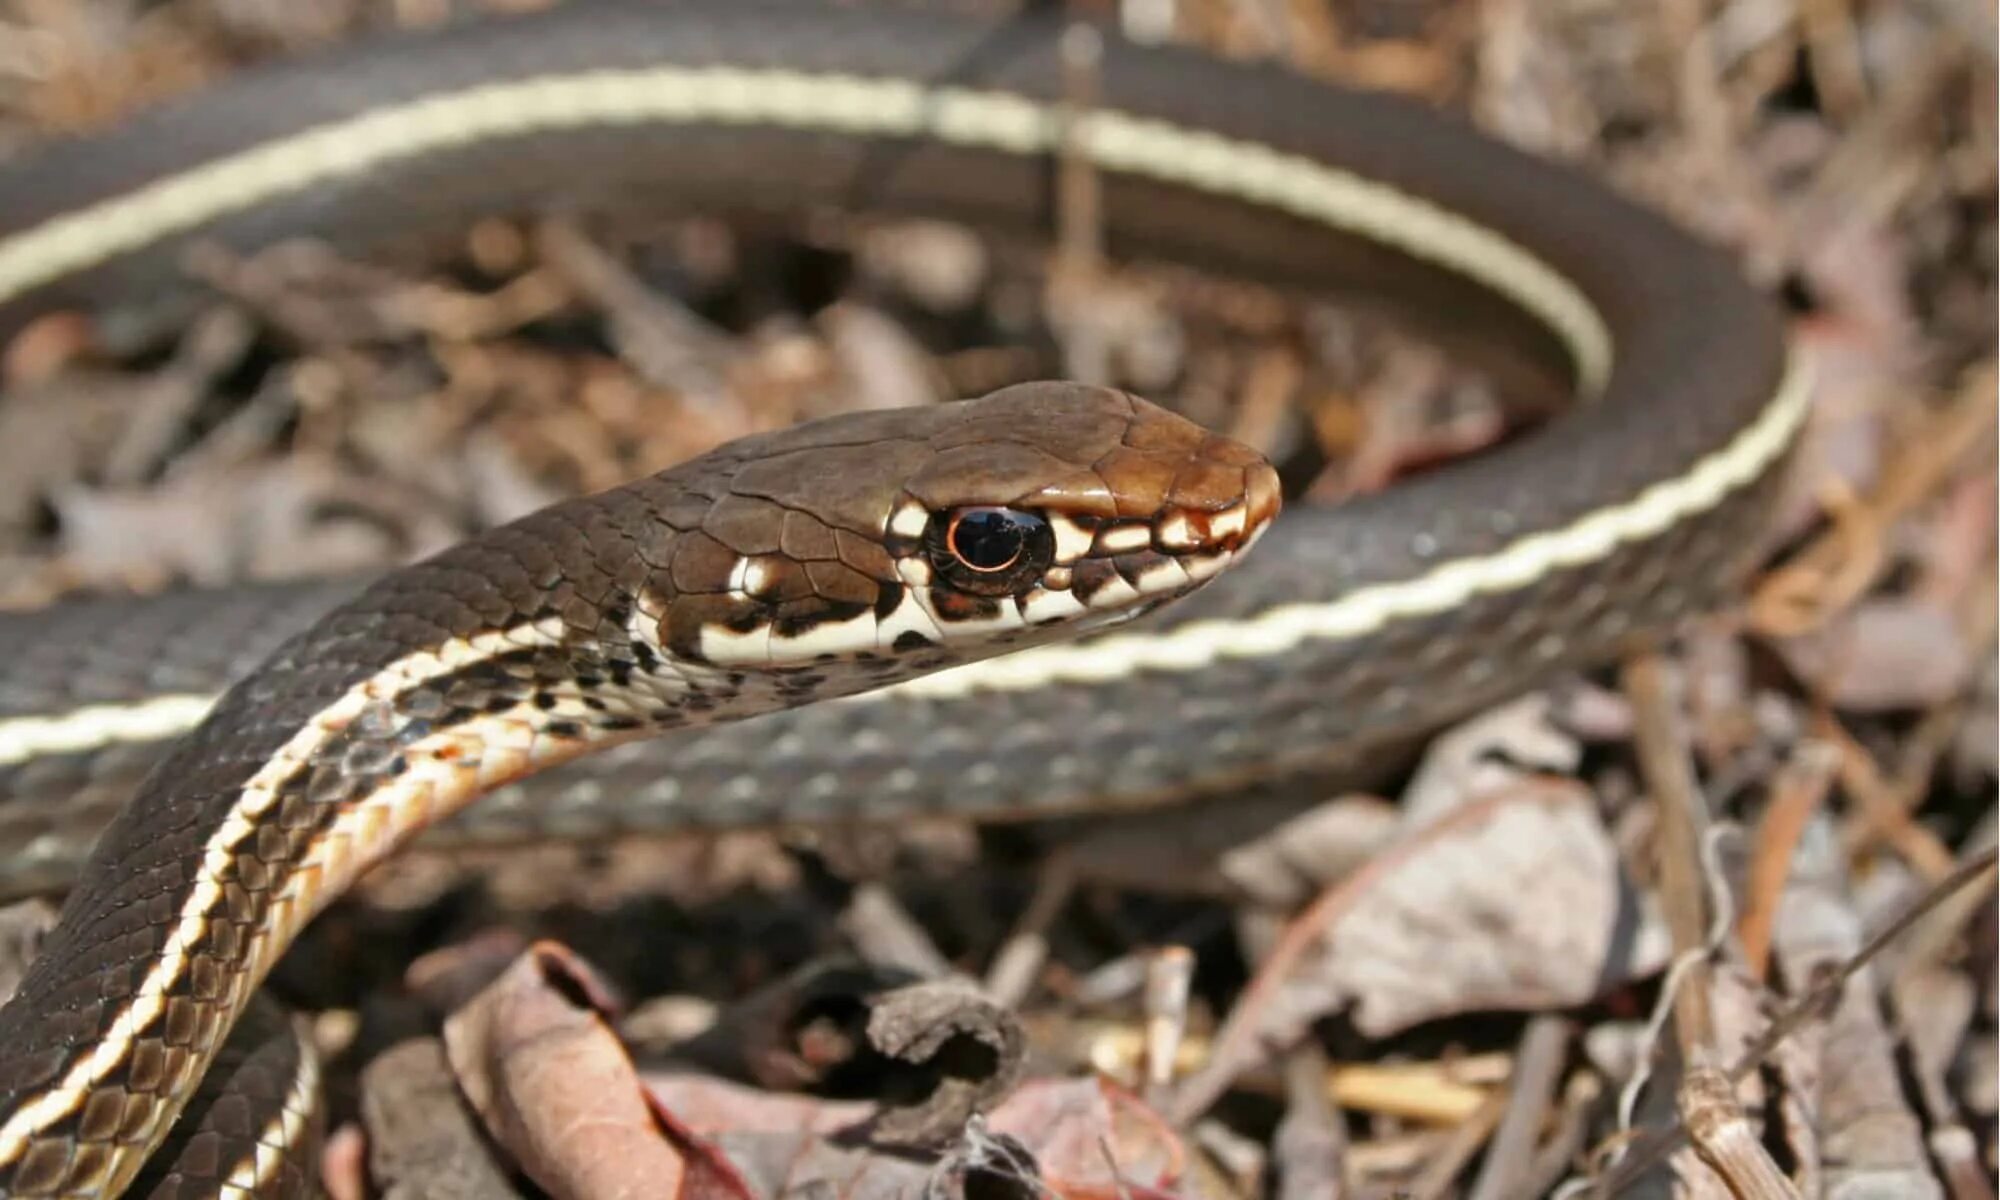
(873, 557)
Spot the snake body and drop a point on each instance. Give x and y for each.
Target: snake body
(1349, 626)
(833, 558)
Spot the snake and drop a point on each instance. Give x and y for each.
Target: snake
(1033, 601)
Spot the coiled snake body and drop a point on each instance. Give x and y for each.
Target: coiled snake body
(843, 557)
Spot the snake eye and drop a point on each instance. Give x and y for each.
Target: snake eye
(991, 551)
(990, 539)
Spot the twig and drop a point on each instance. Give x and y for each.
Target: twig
(1887, 812)
(1311, 1143)
(1950, 1142)
(214, 344)
(1836, 57)
(1169, 975)
(1827, 988)
(1878, 804)
(1414, 1093)
(1931, 938)
(1704, 109)
(885, 934)
(1723, 1135)
(1079, 254)
(1558, 1154)
(1445, 1166)
(1825, 578)
(1796, 794)
(1683, 817)
(1020, 959)
(666, 343)
(1643, 1154)
(1538, 1066)
(1684, 966)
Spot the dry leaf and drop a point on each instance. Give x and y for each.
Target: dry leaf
(1088, 1138)
(1517, 901)
(1872, 1142)
(421, 1139)
(1885, 655)
(1487, 754)
(548, 1076)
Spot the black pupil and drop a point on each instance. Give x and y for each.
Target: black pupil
(987, 539)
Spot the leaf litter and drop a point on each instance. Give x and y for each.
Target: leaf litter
(1543, 958)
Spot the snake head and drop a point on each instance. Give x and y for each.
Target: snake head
(914, 539)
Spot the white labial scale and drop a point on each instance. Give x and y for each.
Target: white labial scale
(1163, 575)
(1124, 539)
(1073, 541)
(909, 520)
(850, 636)
(1045, 605)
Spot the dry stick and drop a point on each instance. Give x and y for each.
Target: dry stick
(1669, 774)
(1079, 264)
(1020, 960)
(1950, 1142)
(1823, 995)
(1311, 1142)
(1796, 794)
(1670, 990)
(885, 934)
(1930, 939)
(665, 342)
(1727, 1142)
(1310, 1146)
(1889, 815)
(1558, 1155)
(1801, 595)
(1833, 44)
(1445, 1166)
(1827, 989)
(1538, 1066)
(1704, 110)
(1875, 799)
(1420, 1093)
(213, 346)
(1169, 976)
(1683, 821)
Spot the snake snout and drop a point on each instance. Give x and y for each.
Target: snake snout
(1189, 503)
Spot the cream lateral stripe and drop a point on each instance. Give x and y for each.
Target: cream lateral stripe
(149, 720)
(874, 106)
(67, 1094)
(1196, 645)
